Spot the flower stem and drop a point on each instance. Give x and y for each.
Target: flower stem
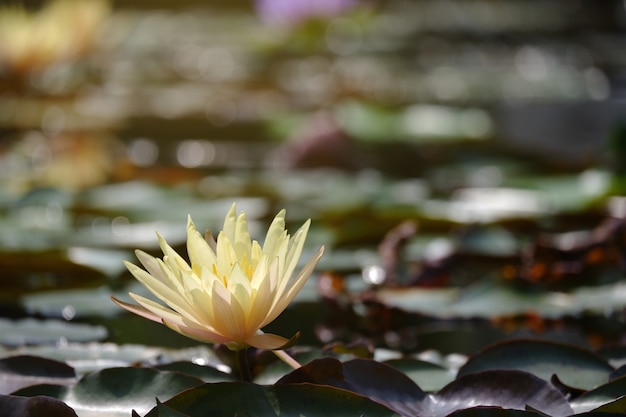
(282, 355)
(245, 373)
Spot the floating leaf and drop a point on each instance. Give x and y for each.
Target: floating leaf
(488, 299)
(493, 412)
(428, 376)
(617, 406)
(116, 391)
(243, 398)
(22, 371)
(90, 357)
(503, 388)
(32, 331)
(40, 405)
(205, 373)
(600, 396)
(377, 381)
(574, 366)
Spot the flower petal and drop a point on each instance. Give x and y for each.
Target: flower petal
(138, 310)
(230, 223)
(270, 341)
(241, 241)
(282, 300)
(199, 251)
(171, 258)
(160, 289)
(274, 234)
(230, 319)
(295, 249)
(197, 333)
(163, 312)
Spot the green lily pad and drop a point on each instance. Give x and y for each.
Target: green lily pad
(503, 388)
(377, 381)
(489, 299)
(601, 396)
(205, 373)
(242, 398)
(22, 371)
(92, 357)
(33, 331)
(428, 376)
(40, 405)
(574, 366)
(117, 391)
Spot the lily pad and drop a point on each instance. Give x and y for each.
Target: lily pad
(117, 391)
(17, 406)
(503, 388)
(22, 371)
(92, 357)
(601, 396)
(428, 376)
(575, 367)
(33, 331)
(377, 381)
(488, 299)
(243, 398)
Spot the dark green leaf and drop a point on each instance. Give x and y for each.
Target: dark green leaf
(243, 398)
(574, 366)
(503, 388)
(117, 391)
(428, 376)
(600, 396)
(205, 373)
(22, 371)
(16, 406)
(492, 412)
(377, 381)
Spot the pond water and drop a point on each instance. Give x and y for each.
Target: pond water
(462, 162)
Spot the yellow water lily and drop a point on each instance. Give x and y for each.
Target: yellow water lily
(233, 288)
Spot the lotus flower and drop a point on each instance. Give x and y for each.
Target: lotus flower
(233, 288)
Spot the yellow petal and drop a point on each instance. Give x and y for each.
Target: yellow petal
(283, 300)
(260, 304)
(160, 289)
(274, 233)
(295, 249)
(164, 312)
(230, 223)
(270, 341)
(151, 264)
(230, 319)
(171, 258)
(241, 240)
(226, 256)
(138, 310)
(199, 251)
(197, 333)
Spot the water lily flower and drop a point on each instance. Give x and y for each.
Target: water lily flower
(233, 287)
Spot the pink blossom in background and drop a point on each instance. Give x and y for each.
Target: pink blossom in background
(294, 11)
